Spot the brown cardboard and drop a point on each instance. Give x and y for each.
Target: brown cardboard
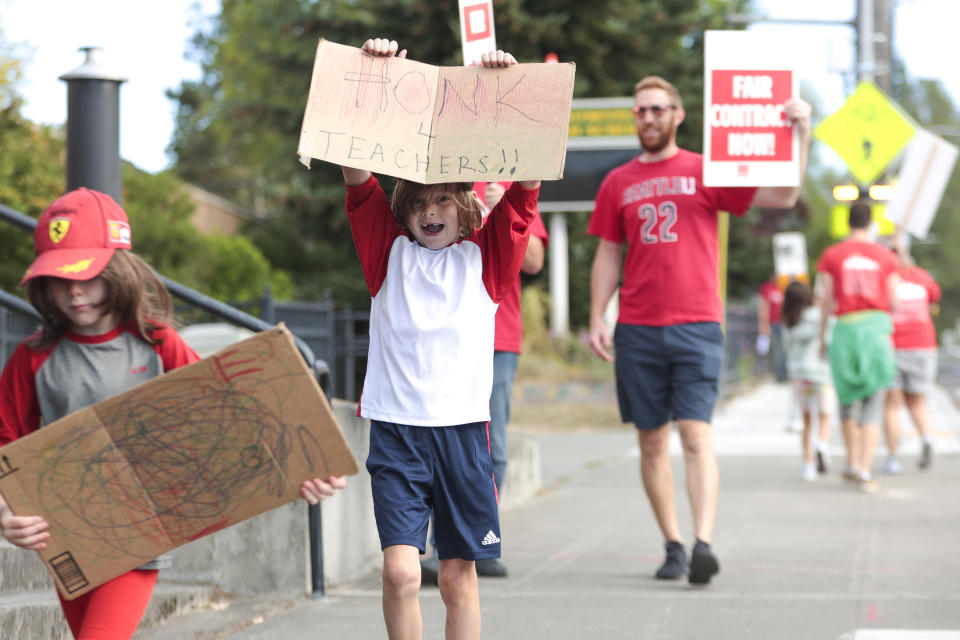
(174, 459)
(432, 124)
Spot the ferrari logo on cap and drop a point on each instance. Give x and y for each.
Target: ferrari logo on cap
(77, 267)
(58, 229)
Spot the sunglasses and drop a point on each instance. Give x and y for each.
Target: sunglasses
(656, 109)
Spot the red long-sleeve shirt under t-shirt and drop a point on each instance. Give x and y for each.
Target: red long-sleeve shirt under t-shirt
(430, 361)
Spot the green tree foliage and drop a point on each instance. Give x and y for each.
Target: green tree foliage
(238, 127)
(31, 176)
(227, 268)
(159, 207)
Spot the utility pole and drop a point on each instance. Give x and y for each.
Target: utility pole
(874, 28)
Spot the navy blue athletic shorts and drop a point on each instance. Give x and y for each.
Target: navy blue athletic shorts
(667, 373)
(446, 470)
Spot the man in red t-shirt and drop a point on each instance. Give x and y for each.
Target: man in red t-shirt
(857, 278)
(669, 344)
(915, 350)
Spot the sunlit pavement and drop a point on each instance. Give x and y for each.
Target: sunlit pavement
(799, 560)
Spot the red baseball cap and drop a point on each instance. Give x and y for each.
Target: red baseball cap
(77, 235)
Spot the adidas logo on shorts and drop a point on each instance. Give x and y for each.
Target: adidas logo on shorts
(490, 538)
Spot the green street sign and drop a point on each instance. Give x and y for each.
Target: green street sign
(868, 132)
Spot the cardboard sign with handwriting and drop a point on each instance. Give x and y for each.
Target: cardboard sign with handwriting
(431, 124)
(177, 458)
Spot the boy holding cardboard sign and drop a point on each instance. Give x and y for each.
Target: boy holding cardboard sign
(436, 278)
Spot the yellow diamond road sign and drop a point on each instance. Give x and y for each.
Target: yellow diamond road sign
(867, 132)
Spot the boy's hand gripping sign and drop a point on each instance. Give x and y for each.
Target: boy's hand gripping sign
(430, 124)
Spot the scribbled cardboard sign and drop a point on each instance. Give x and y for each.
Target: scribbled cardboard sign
(434, 124)
(177, 458)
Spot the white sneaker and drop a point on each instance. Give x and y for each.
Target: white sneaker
(892, 466)
(809, 472)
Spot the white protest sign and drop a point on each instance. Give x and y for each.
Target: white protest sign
(790, 256)
(477, 35)
(926, 169)
(433, 124)
(747, 139)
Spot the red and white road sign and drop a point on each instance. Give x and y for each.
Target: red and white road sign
(476, 29)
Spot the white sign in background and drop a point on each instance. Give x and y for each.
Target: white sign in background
(923, 177)
(790, 254)
(747, 51)
(477, 35)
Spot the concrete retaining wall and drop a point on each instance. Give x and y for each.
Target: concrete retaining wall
(265, 555)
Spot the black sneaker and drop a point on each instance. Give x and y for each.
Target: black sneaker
(821, 461)
(491, 568)
(430, 569)
(703, 564)
(926, 456)
(675, 566)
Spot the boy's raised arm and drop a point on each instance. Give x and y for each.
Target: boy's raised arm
(372, 47)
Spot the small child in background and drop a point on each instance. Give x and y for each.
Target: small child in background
(809, 373)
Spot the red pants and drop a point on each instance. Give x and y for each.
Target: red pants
(113, 610)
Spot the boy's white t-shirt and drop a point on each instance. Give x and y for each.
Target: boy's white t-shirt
(430, 361)
(431, 338)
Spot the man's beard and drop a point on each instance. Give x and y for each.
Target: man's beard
(660, 143)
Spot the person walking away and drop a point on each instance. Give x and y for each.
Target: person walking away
(859, 279)
(435, 276)
(107, 326)
(915, 345)
(669, 344)
(770, 340)
(809, 373)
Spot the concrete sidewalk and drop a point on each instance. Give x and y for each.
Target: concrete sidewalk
(798, 560)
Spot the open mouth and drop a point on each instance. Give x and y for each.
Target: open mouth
(432, 229)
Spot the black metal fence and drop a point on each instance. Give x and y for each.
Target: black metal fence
(14, 327)
(338, 336)
(341, 337)
(741, 365)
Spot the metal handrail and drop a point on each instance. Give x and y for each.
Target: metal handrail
(19, 305)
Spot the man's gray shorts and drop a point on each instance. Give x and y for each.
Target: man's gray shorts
(916, 370)
(866, 410)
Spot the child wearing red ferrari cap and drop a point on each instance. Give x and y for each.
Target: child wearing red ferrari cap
(106, 327)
